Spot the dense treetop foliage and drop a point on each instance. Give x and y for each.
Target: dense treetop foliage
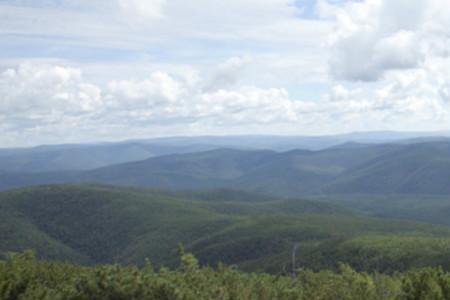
(23, 277)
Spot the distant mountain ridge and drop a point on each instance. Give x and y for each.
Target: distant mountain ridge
(422, 168)
(84, 157)
(77, 157)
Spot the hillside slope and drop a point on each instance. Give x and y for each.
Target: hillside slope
(101, 224)
(413, 169)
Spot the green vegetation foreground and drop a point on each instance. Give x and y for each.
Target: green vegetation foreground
(23, 277)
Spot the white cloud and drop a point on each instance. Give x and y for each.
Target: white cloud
(373, 37)
(389, 60)
(45, 98)
(132, 24)
(35, 92)
(227, 74)
(59, 104)
(159, 89)
(142, 8)
(116, 69)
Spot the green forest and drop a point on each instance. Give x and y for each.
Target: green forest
(23, 277)
(92, 224)
(105, 242)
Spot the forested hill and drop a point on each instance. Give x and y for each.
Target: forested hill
(101, 224)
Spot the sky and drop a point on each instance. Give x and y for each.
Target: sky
(103, 70)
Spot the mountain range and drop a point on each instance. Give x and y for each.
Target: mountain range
(69, 157)
(351, 168)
